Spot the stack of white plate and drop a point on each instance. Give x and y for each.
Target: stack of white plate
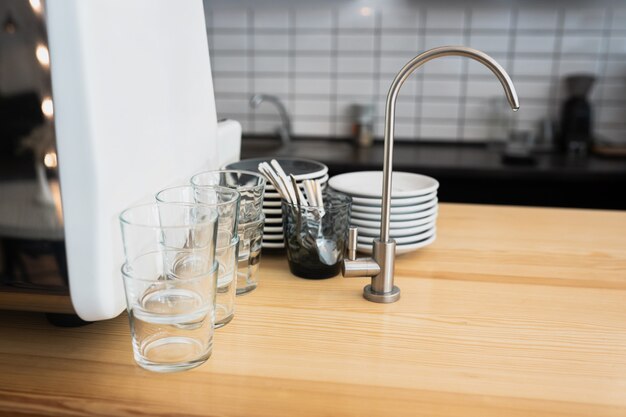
(302, 169)
(413, 208)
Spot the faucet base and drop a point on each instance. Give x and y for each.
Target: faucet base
(389, 297)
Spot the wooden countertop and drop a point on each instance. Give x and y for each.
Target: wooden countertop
(512, 312)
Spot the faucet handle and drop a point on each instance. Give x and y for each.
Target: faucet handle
(353, 234)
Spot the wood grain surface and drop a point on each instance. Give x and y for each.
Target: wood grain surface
(511, 312)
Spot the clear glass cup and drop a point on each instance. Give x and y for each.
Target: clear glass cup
(251, 186)
(316, 237)
(226, 256)
(225, 200)
(171, 308)
(152, 227)
(251, 235)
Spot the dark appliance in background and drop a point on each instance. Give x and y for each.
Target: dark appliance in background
(576, 135)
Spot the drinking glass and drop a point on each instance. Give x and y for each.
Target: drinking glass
(251, 186)
(316, 237)
(226, 256)
(177, 226)
(171, 308)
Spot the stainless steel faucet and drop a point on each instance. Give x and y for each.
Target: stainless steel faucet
(380, 267)
(284, 131)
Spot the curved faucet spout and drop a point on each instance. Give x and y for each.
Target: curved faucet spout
(390, 110)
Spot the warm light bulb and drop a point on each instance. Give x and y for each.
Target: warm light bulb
(366, 11)
(47, 108)
(36, 5)
(50, 159)
(42, 55)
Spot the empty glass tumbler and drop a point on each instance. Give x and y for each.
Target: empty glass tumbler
(171, 308)
(226, 202)
(316, 237)
(251, 186)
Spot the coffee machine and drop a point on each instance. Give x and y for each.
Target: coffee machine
(134, 112)
(576, 135)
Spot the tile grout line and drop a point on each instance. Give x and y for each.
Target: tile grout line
(460, 127)
(376, 55)
(291, 68)
(333, 70)
(251, 119)
(419, 85)
(556, 65)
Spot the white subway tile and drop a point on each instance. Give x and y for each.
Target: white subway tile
(312, 128)
(356, 42)
(304, 107)
(271, 85)
(613, 90)
(475, 68)
(439, 110)
(400, 17)
(274, 18)
(278, 64)
(230, 63)
(391, 64)
(618, 18)
(404, 131)
(532, 67)
(590, 18)
(612, 135)
(314, 64)
(581, 44)
(305, 85)
(230, 84)
(230, 41)
(491, 18)
(616, 68)
(445, 17)
(613, 114)
(490, 44)
(271, 42)
(433, 41)
(267, 127)
(573, 66)
(617, 45)
(437, 88)
(313, 42)
(532, 112)
(399, 43)
(356, 16)
(355, 87)
(482, 109)
(404, 108)
(537, 18)
(308, 18)
(535, 44)
(360, 65)
(408, 91)
(229, 18)
(479, 133)
(232, 106)
(536, 90)
(268, 111)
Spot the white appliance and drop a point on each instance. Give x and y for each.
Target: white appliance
(134, 112)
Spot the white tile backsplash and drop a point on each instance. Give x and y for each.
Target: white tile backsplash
(322, 58)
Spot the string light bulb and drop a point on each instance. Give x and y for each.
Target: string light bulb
(47, 107)
(43, 56)
(36, 6)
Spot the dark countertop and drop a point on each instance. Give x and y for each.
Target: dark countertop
(473, 173)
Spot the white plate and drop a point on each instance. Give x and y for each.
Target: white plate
(406, 240)
(396, 217)
(273, 229)
(392, 225)
(267, 236)
(395, 210)
(272, 211)
(273, 245)
(271, 203)
(274, 220)
(400, 249)
(409, 231)
(369, 184)
(302, 169)
(395, 202)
